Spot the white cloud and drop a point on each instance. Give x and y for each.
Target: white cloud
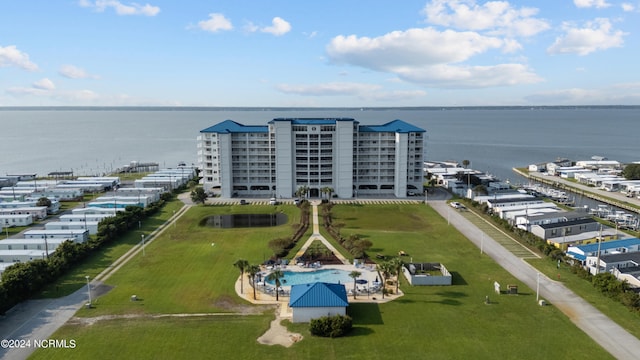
(627, 7)
(44, 84)
(216, 22)
(598, 4)
(450, 76)
(74, 72)
(328, 89)
(594, 36)
(430, 57)
(120, 8)
(278, 27)
(414, 47)
(41, 87)
(495, 17)
(11, 56)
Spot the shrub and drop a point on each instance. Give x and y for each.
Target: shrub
(331, 326)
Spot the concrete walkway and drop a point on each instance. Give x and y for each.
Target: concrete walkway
(612, 337)
(317, 236)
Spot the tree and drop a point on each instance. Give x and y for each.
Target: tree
(465, 163)
(631, 172)
(251, 271)
(354, 274)
(327, 190)
(198, 195)
(396, 265)
(276, 275)
(385, 271)
(43, 201)
(302, 191)
(241, 264)
(480, 190)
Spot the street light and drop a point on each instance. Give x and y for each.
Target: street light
(538, 288)
(143, 254)
(88, 289)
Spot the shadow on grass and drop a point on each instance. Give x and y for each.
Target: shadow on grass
(359, 331)
(457, 279)
(365, 314)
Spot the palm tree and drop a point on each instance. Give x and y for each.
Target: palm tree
(241, 264)
(252, 270)
(327, 190)
(396, 264)
(385, 271)
(465, 163)
(276, 275)
(354, 274)
(302, 191)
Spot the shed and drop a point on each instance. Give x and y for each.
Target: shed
(314, 300)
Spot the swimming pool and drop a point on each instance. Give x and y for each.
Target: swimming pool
(304, 277)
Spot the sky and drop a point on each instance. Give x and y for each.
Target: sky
(329, 53)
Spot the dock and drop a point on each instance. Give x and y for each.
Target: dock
(612, 198)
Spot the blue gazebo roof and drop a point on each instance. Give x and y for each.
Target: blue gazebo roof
(318, 294)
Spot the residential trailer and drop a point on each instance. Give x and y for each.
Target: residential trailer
(37, 212)
(79, 235)
(16, 220)
(14, 256)
(91, 226)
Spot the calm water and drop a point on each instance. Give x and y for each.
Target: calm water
(494, 140)
(244, 220)
(328, 276)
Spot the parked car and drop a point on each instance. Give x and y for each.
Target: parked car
(273, 201)
(243, 202)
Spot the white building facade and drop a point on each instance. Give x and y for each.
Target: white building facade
(289, 153)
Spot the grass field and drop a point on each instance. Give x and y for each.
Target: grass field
(183, 273)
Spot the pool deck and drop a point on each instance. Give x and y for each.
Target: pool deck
(368, 272)
(283, 301)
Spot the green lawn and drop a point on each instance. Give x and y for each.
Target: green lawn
(183, 273)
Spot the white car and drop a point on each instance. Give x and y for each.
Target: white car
(456, 205)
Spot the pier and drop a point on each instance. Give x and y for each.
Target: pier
(612, 198)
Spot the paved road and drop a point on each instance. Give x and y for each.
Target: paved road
(617, 341)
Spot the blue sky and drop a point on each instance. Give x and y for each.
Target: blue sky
(319, 53)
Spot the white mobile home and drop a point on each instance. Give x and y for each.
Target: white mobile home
(62, 194)
(13, 256)
(95, 211)
(91, 226)
(84, 217)
(154, 193)
(16, 220)
(37, 212)
(31, 244)
(80, 235)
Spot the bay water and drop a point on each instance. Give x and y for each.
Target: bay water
(494, 140)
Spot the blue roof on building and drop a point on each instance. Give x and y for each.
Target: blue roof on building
(312, 121)
(230, 126)
(605, 245)
(397, 126)
(318, 294)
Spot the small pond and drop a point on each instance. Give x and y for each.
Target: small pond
(244, 220)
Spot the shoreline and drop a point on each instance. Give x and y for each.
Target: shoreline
(613, 198)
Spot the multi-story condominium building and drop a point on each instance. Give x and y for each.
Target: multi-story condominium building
(316, 154)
